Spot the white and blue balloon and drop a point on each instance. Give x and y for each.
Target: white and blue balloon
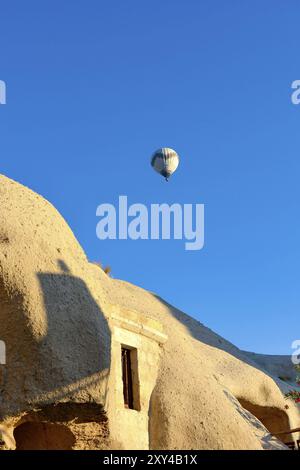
(165, 161)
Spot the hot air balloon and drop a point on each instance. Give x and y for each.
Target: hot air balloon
(165, 161)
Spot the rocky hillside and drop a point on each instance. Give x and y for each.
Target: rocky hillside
(53, 319)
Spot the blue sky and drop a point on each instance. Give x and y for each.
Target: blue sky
(93, 88)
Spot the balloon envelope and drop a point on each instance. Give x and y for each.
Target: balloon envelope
(165, 161)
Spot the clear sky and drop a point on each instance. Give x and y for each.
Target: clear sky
(94, 87)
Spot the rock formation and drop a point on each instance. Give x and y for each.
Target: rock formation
(65, 324)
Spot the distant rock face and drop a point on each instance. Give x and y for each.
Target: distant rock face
(63, 369)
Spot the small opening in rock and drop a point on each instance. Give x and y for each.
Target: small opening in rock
(43, 436)
(130, 378)
(274, 419)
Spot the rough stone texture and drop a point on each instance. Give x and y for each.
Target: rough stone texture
(48, 312)
(56, 314)
(280, 367)
(140, 333)
(199, 370)
(63, 426)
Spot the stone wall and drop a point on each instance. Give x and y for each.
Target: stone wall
(130, 427)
